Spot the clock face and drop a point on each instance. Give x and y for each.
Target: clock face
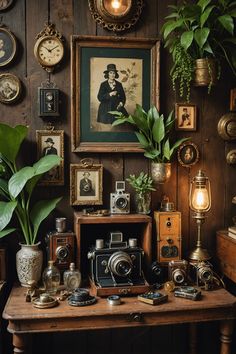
(49, 50)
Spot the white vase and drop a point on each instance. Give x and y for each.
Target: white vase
(29, 261)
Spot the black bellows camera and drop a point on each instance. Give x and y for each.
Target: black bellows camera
(116, 263)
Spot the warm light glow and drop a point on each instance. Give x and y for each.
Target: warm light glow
(200, 199)
(116, 4)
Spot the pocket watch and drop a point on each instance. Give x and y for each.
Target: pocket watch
(49, 48)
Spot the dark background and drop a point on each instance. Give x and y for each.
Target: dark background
(26, 19)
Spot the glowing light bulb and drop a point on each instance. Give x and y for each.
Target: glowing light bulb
(200, 199)
(116, 4)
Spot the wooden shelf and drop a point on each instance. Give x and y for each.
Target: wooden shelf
(226, 254)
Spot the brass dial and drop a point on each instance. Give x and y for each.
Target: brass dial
(49, 51)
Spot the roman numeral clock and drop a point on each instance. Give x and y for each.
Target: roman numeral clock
(49, 48)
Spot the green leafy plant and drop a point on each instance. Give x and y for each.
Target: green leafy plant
(18, 184)
(202, 30)
(152, 131)
(142, 183)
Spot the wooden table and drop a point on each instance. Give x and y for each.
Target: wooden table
(24, 319)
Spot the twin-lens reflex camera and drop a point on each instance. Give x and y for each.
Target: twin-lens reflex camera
(182, 273)
(120, 201)
(60, 245)
(116, 263)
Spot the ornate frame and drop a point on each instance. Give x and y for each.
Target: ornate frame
(95, 196)
(190, 157)
(57, 178)
(192, 124)
(131, 52)
(9, 44)
(114, 20)
(10, 88)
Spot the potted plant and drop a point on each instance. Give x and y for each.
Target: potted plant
(199, 37)
(143, 185)
(16, 189)
(153, 133)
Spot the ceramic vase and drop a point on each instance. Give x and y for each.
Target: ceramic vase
(29, 261)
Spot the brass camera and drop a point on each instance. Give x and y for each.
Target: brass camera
(178, 271)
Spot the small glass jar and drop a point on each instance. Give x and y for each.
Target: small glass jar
(143, 203)
(72, 278)
(51, 278)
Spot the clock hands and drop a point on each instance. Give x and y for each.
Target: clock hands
(50, 50)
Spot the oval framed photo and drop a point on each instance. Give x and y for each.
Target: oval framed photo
(10, 88)
(188, 154)
(7, 46)
(4, 4)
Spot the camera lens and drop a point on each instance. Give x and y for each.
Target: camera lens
(168, 224)
(121, 203)
(205, 274)
(178, 276)
(120, 264)
(62, 253)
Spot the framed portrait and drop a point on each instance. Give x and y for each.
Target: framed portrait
(51, 142)
(110, 74)
(5, 4)
(86, 184)
(7, 46)
(233, 100)
(10, 88)
(186, 116)
(188, 154)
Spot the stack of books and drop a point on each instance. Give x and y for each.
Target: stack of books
(232, 231)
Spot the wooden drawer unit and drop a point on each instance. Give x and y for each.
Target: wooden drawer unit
(226, 254)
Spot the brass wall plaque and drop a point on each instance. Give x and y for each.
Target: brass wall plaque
(227, 126)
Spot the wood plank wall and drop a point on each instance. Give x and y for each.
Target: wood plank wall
(26, 19)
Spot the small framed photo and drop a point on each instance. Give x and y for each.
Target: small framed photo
(5, 4)
(10, 88)
(233, 100)
(186, 116)
(86, 184)
(188, 154)
(51, 142)
(7, 46)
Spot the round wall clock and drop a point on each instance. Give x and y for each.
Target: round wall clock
(10, 88)
(4, 4)
(49, 48)
(7, 46)
(49, 51)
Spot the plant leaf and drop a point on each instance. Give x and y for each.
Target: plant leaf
(11, 139)
(186, 39)
(227, 22)
(171, 26)
(40, 211)
(166, 150)
(203, 4)
(158, 130)
(201, 35)
(6, 211)
(142, 140)
(6, 232)
(19, 179)
(205, 15)
(4, 187)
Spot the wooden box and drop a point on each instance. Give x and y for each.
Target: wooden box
(89, 228)
(226, 254)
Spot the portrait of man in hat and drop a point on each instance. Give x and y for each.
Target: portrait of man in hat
(49, 149)
(86, 185)
(111, 96)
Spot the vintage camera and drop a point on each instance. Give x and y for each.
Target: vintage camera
(116, 263)
(168, 233)
(120, 201)
(60, 248)
(201, 273)
(178, 271)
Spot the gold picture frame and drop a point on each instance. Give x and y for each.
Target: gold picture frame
(137, 61)
(51, 142)
(10, 88)
(86, 185)
(188, 154)
(116, 16)
(186, 116)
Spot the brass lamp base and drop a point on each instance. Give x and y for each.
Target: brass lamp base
(199, 254)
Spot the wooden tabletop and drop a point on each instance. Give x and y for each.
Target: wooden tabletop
(23, 317)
